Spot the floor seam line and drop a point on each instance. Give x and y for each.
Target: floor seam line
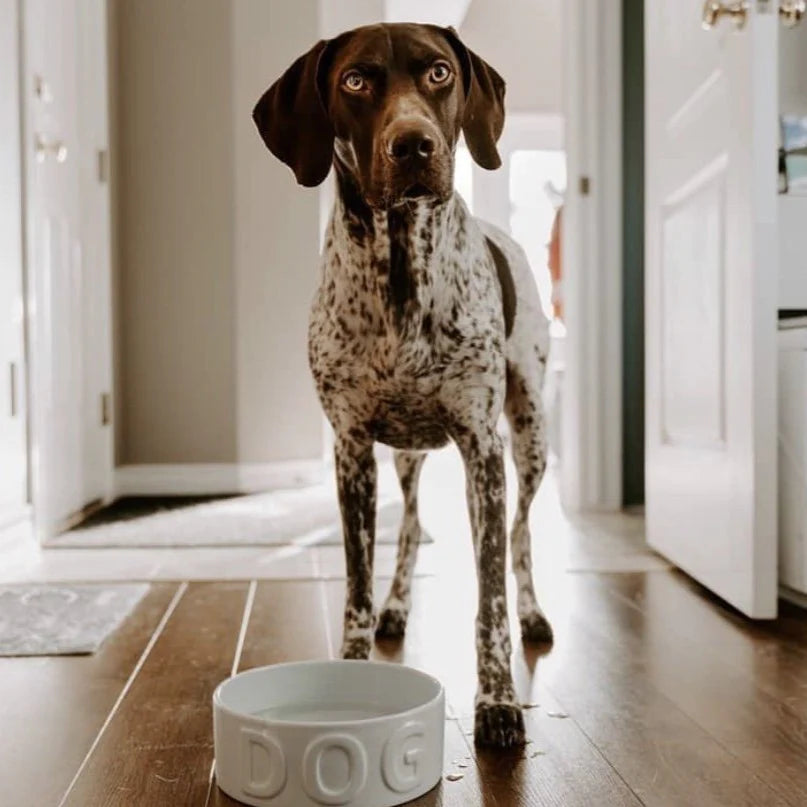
(169, 611)
(242, 633)
(326, 616)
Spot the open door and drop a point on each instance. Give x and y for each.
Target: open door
(13, 448)
(711, 296)
(67, 259)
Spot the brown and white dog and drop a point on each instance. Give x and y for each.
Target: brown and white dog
(427, 322)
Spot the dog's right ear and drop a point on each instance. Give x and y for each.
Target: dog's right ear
(293, 121)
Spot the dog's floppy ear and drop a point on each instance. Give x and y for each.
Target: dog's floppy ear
(483, 115)
(293, 121)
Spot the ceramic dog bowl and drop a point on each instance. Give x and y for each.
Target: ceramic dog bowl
(358, 733)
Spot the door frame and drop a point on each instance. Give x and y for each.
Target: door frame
(99, 230)
(591, 463)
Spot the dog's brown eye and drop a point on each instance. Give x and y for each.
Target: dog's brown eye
(440, 72)
(353, 81)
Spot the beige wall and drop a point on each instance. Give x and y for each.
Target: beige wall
(216, 245)
(276, 247)
(522, 39)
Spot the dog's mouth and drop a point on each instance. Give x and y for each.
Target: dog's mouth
(418, 190)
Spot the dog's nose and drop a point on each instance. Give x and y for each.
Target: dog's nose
(409, 144)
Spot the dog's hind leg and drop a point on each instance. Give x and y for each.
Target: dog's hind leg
(524, 411)
(392, 619)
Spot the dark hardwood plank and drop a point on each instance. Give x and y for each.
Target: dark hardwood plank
(287, 623)
(763, 652)
(440, 640)
(724, 692)
(53, 706)
(617, 675)
(158, 748)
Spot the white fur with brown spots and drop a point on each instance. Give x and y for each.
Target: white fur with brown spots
(439, 369)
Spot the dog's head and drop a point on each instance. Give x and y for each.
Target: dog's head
(389, 101)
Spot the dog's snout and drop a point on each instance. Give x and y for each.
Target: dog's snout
(409, 142)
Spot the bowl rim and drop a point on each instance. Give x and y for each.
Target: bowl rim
(220, 706)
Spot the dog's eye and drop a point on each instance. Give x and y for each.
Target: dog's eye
(440, 72)
(353, 81)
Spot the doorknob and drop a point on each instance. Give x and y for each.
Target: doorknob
(54, 148)
(791, 12)
(714, 11)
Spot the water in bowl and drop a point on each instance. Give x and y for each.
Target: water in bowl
(324, 712)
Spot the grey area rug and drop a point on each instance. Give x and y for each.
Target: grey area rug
(58, 619)
(300, 517)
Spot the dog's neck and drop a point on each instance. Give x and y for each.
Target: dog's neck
(393, 261)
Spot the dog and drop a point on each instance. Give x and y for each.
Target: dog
(427, 323)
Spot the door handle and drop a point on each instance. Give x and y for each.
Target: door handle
(791, 12)
(714, 11)
(49, 148)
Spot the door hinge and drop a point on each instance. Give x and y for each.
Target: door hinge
(13, 388)
(103, 166)
(585, 186)
(106, 409)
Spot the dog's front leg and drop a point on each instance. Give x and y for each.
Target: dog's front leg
(498, 720)
(356, 484)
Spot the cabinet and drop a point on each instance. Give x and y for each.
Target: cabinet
(792, 208)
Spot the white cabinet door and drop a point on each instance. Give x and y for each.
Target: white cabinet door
(711, 296)
(13, 461)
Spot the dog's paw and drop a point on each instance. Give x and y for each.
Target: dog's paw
(536, 628)
(499, 726)
(391, 624)
(356, 648)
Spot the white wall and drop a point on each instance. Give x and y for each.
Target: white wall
(216, 246)
(276, 247)
(174, 189)
(521, 39)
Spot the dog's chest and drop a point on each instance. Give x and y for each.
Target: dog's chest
(385, 349)
(389, 383)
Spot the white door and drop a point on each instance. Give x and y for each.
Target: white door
(68, 256)
(711, 296)
(13, 464)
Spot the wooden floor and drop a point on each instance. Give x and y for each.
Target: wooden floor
(653, 694)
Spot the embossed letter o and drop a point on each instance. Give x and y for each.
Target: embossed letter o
(313, 782)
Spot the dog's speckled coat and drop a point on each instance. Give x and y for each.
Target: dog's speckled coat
(415, 375)
(413, 341)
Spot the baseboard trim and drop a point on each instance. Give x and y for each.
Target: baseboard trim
(197, 479)
(16, 526)
(792, 596)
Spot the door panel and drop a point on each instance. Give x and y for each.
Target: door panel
(711, 298)
(13, 460)
(68, 234)
(693, 402)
